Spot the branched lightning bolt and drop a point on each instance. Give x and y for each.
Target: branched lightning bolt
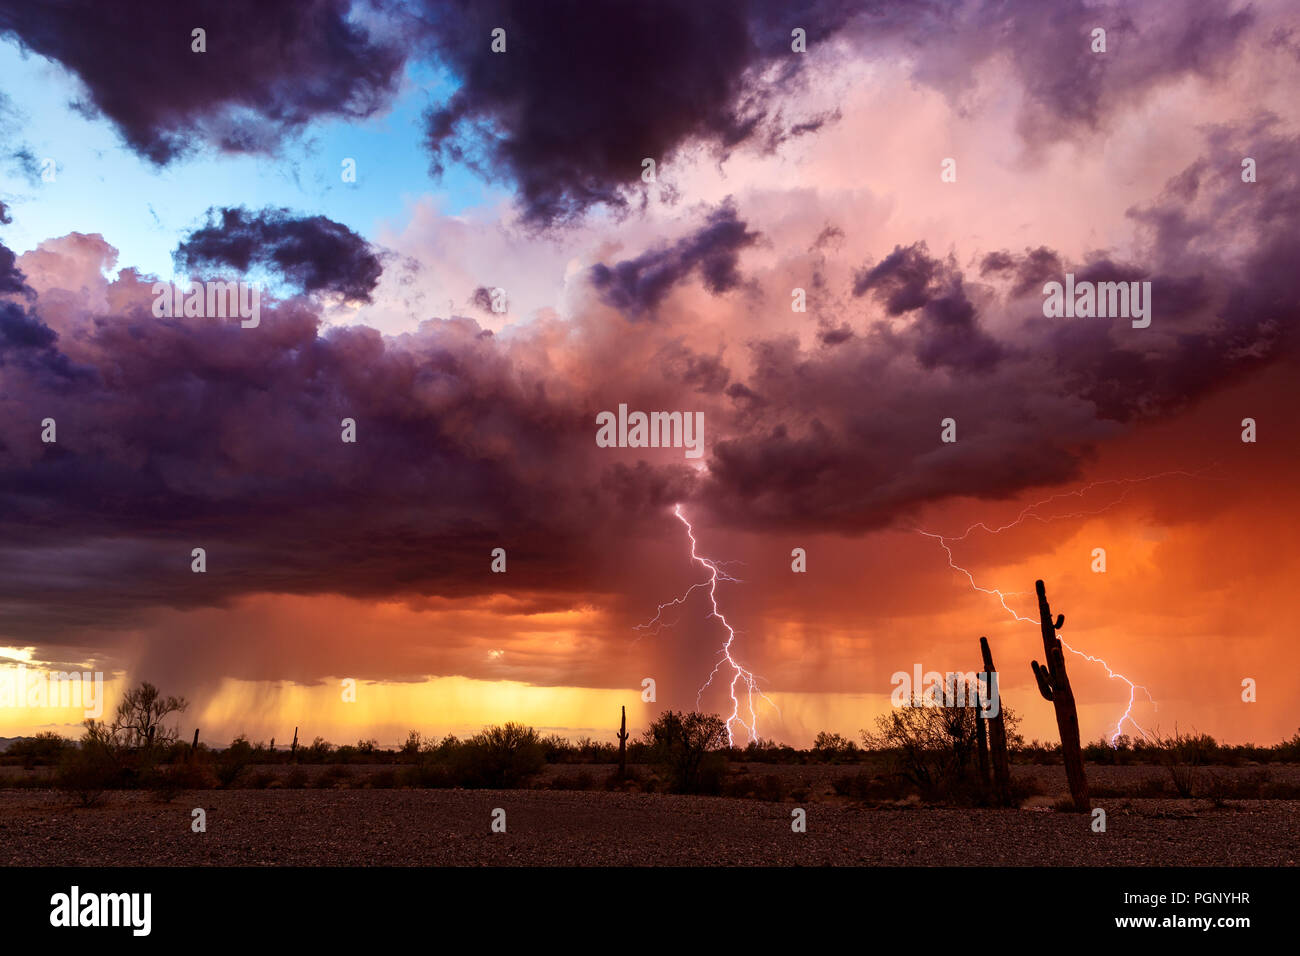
(740, 675)
(1030, 512)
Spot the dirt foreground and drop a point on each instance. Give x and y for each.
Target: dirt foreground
(577, 828)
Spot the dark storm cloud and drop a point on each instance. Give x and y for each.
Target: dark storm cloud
(26, 342)
(192, 432)
(196, 432)
(313, 253)
(1031, 271)
(586, 90)
(269, 67)
(19, 329)
(12, 280)
(636, 286)
(945, 329)
(5, 217)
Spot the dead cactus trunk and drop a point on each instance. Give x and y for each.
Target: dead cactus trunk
(1054, 685)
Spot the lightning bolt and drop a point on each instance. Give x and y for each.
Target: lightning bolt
(740, 676)
(1031, 512)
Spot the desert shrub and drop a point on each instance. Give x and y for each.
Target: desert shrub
(934, 747)
(320, 751)
(87, 770)
(297, 779)
(230, 763)
(685, 747)
(766, 751)
(1184, 756)
(29, 781)
(633, 777)
(427, 775)
(1221, 787)
(833, 748)
(1036, 752)
(162, 785)
(769, 787)
(1103, 753)
(138, 723)
(499, 757)
(124, 752)
(557, 749)
(869, 786)
(1289, 751)
(409, 752)
(385, 779)
(332, 777)
(443, 750)
(261, 779)
(44, 750)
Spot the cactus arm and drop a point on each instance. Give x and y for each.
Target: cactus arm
(1044, 681)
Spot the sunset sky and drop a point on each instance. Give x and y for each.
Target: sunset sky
(774, 171)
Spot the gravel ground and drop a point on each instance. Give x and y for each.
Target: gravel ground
(452, 827)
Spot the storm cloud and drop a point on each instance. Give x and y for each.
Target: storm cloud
(313, 253)
(268, 70)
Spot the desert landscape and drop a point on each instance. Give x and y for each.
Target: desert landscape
(406, 808)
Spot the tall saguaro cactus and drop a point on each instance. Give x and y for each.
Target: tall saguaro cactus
(982, 740)
(622, 746)
(997, 734)
(1054, 685)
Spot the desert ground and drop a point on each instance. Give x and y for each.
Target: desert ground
(353, 823)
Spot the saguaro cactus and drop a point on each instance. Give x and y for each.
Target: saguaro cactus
(622, 746)
(997, 734)
(293, 748)
(195, 746)
(1054, 685)
(981, 735)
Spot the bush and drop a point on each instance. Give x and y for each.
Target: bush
(500, 757)
(44, 750)
(385, 779)
(833, 748)
(869, 786)
(1184, 755)
(87, 771)
(427, 775)
(296, 780)
(333, 777)
(686, 749)
(230, 763)
(319, 751)
(768, 787)
(409, 752)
